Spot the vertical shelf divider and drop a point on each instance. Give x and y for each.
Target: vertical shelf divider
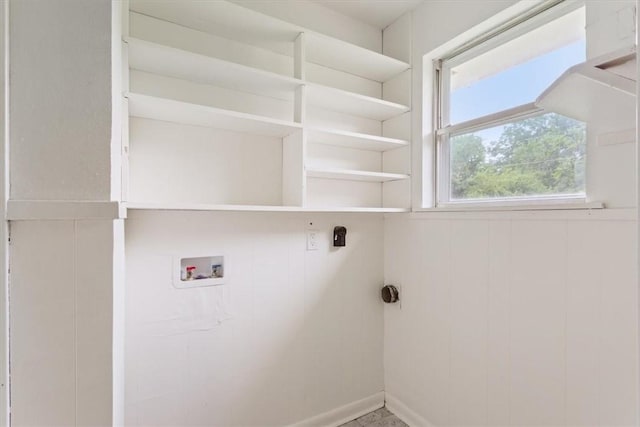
(299, 57)
(293, 173)
(300, 105)
(294, 180)
(124, 168)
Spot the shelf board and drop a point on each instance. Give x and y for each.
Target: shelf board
(239, 23)
(354, 175)
(343, 56)
(358, 210)
(359, 141)
(225, 19)
(251, 208)
(150, 107)
(591, 93)
(168, 61)
(352, 103)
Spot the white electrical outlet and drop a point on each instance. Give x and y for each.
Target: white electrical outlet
(312, 240)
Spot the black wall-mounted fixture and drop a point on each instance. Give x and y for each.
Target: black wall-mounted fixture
(340, 236)
(390, 294)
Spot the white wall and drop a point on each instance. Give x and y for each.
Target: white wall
(515, 318)
(291, 334)
(60, 67)
(611, 168)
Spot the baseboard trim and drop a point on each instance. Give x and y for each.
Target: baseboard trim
(403, 412)
(344, 414)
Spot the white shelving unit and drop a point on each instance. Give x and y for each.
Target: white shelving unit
(352, 103)
(167, 110)
(351, 59)
(354, 175)
(235, 22)
(226, 68)
(159, 59)
(354, 140)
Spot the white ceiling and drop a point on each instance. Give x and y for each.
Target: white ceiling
(378, 13)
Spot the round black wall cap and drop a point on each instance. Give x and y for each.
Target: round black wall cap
(390, 294)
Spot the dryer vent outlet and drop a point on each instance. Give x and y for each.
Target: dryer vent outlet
(390, 294)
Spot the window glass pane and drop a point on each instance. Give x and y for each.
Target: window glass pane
(542, 155)
(516, 72)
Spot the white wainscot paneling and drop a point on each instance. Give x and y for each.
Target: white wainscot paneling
(512, 321)
(418, 333)
(537, 322)
(469, 288)
(61, 323)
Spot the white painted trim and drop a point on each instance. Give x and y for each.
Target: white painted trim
(354, 175)
(178, 206)
(5, 402)
(491, 120)
(423, 145)
(623, 214)
(344, 414)
(531, 18)
(516, 205)
(403, 412)
(120, 167)
(116, 97)
(63, 209)
(637, 216)
(118, 333)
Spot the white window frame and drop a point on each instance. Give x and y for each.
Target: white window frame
(443, 130)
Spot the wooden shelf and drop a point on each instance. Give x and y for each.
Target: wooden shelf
(251, 208)
(354, 175)
(343, 56)
(235, 22)
(591, 93)
(150, 107)
(185, 65)
(354, 140)
(225, 19)
(163, 60)
(352, 103)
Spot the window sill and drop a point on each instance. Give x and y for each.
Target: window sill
(508, 206)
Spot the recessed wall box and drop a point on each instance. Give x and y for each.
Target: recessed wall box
(191, 272)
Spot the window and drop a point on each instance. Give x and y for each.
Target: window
(493, 143)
